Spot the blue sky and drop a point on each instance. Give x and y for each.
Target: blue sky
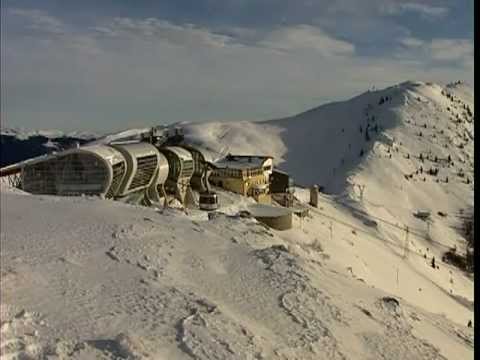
(108, 65)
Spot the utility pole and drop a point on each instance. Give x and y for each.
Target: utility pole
(406, 247)
(331, 230)
(314, 196)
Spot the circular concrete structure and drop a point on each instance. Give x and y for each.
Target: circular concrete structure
(278, 218)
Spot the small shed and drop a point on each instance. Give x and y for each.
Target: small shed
(280, 182)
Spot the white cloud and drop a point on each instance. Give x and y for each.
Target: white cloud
(451, 49)
(424, 10)
(288, 38)
(446, 53)
(38, 20)
(106, 77)
(411, 42)
(157, 29)
(306, 37)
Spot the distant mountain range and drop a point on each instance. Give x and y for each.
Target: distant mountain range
(17, 145)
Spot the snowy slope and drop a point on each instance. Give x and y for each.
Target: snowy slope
(100, 279)
(323, 146)
(109, 279)
(330, 135)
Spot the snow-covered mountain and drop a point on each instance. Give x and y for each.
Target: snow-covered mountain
(20, 144)
(24, 134)
(324, 145)
(403, 148)
(85, 278)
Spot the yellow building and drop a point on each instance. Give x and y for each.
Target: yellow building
(245, 175)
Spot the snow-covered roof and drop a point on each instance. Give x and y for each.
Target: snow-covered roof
(182, 153)
(242, 162)
(138, 149)
(130, 134)
(208, 155)
(108, 153)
